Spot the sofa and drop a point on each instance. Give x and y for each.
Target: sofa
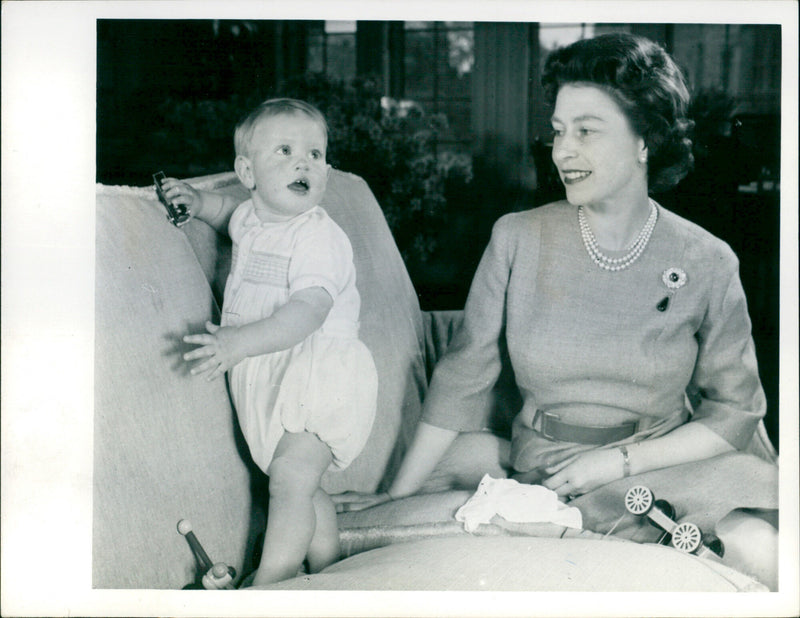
(167, 446)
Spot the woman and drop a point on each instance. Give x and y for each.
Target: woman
(626, 325)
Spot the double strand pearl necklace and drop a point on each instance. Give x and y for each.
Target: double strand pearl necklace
(636, 249)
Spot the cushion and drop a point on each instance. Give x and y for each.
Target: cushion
(523, 563)
(391, 327)
(165, 442)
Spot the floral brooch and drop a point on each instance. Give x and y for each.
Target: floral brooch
(674, 278)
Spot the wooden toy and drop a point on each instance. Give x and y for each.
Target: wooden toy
(217, 576)
(686, 536)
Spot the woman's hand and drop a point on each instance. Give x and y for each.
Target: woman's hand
(584, 472)
(356, 501)
(220, 348)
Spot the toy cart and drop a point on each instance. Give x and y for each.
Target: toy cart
(686, 536)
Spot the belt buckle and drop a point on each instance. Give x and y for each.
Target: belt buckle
(545, 417)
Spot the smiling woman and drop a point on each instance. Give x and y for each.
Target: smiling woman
(618, 387)
(601, 160)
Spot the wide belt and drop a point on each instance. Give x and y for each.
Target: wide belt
(552, 427)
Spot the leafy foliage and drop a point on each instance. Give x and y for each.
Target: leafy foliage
(393, 148)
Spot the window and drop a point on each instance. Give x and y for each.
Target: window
(437, 64)
(434, 61)
(765, 68)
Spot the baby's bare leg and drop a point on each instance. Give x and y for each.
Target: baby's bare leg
(294, 477)
(324, 548)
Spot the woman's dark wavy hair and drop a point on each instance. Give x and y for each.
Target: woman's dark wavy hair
(648, 86)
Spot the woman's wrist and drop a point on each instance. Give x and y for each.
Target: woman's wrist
(626, 460)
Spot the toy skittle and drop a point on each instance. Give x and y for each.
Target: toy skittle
(686, 536)
(217, 576)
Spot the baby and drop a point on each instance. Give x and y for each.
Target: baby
(303, 384)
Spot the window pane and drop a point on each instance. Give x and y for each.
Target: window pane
(315, 28)
(335, 27)
(419, 25)
(316, 54)
(341, 56)
(418, 60)
(456, 58)
(438, 63)
(552, 36)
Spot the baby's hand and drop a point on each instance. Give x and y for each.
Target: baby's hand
(179, 192)
(219, 348)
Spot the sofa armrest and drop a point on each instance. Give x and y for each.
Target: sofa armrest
(439, 328)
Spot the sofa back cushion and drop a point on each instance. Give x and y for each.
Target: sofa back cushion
(165, 443)
(391, 327)
(391, 321)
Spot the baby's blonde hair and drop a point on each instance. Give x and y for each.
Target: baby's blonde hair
(269, 108)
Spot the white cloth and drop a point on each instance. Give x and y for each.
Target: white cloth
(516, 502)
(327, 384)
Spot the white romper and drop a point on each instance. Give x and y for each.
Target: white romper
(327, 384)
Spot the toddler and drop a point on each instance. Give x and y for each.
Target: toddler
(303, 385)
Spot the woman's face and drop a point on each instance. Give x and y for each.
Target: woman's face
(599, 157)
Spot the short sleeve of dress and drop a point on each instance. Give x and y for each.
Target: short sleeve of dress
(459, 396)
(726, 381)
(240, 213)
(322, 257)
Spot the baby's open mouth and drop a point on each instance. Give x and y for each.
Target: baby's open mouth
(300, 185)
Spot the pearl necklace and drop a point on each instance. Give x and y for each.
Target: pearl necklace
(636, 249)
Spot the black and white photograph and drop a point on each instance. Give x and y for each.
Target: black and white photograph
(449, 308)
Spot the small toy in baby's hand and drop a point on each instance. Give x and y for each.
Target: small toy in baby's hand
(178, 214)
(217, 576)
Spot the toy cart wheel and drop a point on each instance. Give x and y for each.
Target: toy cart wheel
(713, 542)
(639, 500)
(686, 537)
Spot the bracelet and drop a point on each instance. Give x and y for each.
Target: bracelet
(626, 461)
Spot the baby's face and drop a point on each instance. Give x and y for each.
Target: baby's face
(287, 165)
